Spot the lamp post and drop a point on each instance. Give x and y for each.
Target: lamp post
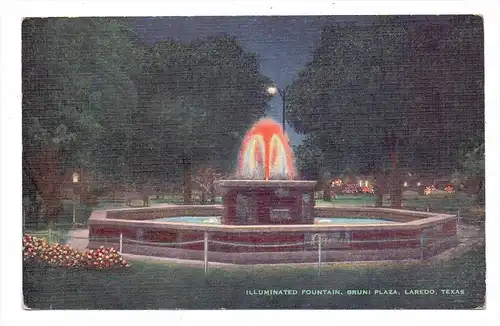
(76, 179)
(272, 90)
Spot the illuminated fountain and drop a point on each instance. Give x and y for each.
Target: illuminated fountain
(268, 216)
(266, 192)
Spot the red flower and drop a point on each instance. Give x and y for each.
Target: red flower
(67, 257)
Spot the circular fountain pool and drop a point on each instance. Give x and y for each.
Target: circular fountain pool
(317, 220)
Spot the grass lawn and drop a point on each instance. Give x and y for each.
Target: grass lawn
(52, 236)
(356, 200)
(156, 285)
(65, 218)
(439, 202)
(179, 199)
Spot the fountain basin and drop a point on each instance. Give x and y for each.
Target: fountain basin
(317, 220)
(410, 235)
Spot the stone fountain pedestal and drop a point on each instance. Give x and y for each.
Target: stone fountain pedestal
(261, 202)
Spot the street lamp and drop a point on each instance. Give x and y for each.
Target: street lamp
(76, 179)
(272, 90)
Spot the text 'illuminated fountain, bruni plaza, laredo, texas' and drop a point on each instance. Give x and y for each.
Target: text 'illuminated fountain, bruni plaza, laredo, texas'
(267, 216)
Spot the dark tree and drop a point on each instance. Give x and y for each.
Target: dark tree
(198, 100)
(399, 93)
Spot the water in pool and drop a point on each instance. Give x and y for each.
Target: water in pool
(317, 220)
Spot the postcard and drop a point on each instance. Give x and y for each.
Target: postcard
(253, 162)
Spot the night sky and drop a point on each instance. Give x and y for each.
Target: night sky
(284, 43)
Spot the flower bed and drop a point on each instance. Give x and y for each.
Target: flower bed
(368, 190)
(354, 189)
(449, 189)
(429, 190)
(351, 189)
(57, 255)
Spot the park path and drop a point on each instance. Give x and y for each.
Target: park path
(78, 239)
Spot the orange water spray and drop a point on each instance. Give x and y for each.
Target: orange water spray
(265, 152)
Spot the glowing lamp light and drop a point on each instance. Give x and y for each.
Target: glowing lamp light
(406, 184)
(366, 183)
(360, 183)
(272, 90)
(76, 177)
(418, 184)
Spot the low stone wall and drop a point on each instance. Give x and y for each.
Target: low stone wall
(151, 213)
(396, 215)
(305, 256)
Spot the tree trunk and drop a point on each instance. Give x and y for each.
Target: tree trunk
(327, 196)
(187, 181)
(396, 187)
(145, 199)
(51, 208)
(379, 189)
(203, 197)
(33, 210)
(481, 193)
(212, 194)
(42, 169)
(396, 192)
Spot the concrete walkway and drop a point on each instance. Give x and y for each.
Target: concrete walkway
(78, 239)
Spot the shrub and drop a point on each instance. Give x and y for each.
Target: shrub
(336, 182)
(351, 189)
(367, 190)
(429, 190)
(56, 255)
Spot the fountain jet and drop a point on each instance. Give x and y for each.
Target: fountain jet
(265, 153)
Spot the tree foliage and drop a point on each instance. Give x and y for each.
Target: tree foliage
(398, 85)
(197, 101)
(209, 91)
(83, 76)
(135, 112)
